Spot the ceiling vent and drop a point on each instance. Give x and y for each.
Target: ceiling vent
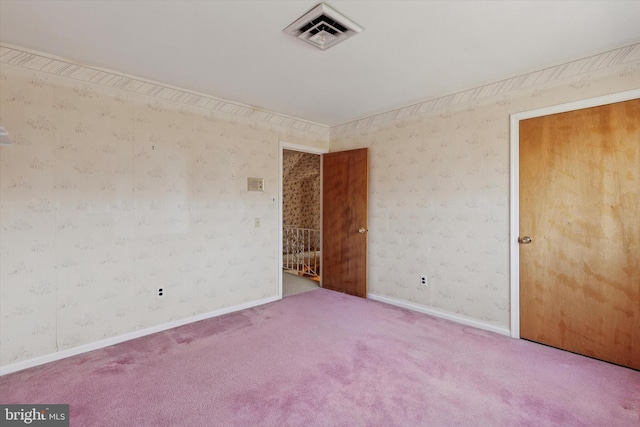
(323, 27)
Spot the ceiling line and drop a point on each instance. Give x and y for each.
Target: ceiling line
(49, 64)
(578, 67)
(37, 61)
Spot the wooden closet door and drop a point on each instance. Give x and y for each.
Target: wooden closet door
(580, 204)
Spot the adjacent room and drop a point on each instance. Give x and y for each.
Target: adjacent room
(288, 213)
(300, 222)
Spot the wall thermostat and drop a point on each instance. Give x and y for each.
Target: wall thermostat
(255, 184)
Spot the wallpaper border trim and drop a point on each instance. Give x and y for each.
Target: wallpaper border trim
(96, 345)
(38, 61)
(574, 68)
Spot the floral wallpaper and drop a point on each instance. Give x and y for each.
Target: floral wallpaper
(106, 195)
(439, 196)
(301, 190)
(112, 189)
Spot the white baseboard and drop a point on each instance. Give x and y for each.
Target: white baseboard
(52, 357)
(441, 314)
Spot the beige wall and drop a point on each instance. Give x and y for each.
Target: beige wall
(106, 195)
(439, 197)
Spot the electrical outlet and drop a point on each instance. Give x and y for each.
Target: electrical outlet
(160, 292)
(423, 280)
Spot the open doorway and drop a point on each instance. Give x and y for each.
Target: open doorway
(300, 219)
(343, 221)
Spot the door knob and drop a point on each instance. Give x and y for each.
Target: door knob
(525, 240)
(362, 230)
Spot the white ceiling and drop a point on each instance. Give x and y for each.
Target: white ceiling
(409, 51)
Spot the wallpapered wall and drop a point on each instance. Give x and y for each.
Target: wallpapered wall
(301, 190)
(439, 197)
(106, 195)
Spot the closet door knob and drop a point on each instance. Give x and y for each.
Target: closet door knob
(362, 230)
(525, 240)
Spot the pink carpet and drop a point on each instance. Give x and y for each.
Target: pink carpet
(327, 359)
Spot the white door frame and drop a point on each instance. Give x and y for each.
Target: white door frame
(303, 149)
(514, 219)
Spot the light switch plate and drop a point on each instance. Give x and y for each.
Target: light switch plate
(255, 184)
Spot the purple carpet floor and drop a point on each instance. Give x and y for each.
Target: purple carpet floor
(327, 359)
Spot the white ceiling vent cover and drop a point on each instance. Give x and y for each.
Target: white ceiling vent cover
(323, 27)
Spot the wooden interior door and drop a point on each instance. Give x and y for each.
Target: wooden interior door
(580, 204)
(345, 190)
